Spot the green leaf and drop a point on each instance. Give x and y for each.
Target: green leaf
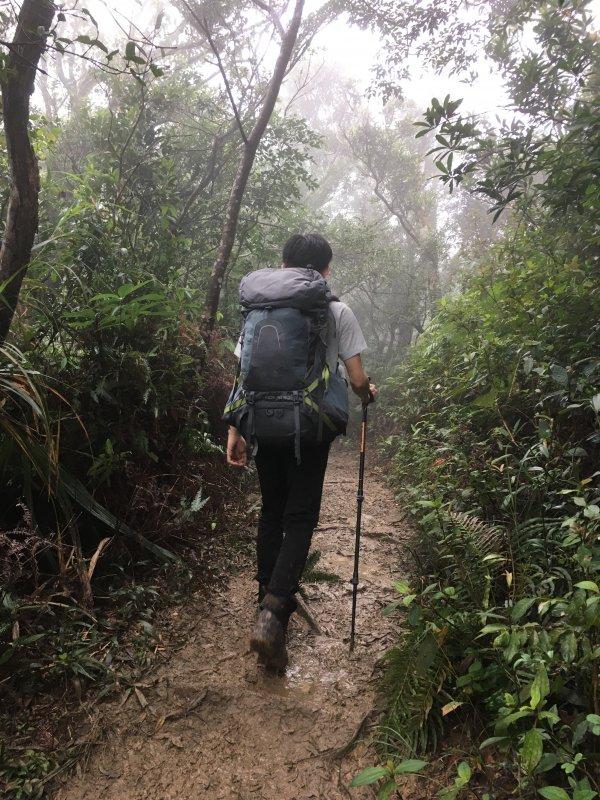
(369, 775)
(414, 616)
(386, 790)
(531, 750)
(199, 501)
(491, 629)
(559, 374)
(547, 762)
(410, 766)
(493, 740)
(568, 646)
(521, 607)
(391, 607)
(505, 722)
(487, 400)
(589, 586)
(464, 771)
(540, 687)
(584, 793)
(77, 491)
(553, 793)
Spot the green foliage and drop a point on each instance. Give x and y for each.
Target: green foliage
(27, 435)
(113, 477)
(498, 410)
(388, 775)
(25, 777)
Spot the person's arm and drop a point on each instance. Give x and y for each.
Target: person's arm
(359, 380)
(236, 448)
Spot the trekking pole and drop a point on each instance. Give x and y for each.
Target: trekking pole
(359, 503)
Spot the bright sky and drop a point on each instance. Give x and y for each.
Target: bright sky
(354, 51)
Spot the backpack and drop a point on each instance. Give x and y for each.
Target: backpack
(284, 389)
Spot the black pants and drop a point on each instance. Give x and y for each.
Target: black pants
(291, 502)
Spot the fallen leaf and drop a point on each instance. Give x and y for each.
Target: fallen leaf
(141, 697)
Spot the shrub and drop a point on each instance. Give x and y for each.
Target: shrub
(498, 409)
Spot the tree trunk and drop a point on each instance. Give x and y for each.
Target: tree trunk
(243, 172)
(17, 84)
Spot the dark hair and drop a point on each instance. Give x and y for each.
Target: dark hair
(307, 250)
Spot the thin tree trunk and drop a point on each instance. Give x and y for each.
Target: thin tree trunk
(17, 86)
(245, 166)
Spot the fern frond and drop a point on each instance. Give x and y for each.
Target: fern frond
(490, 538)
(416, 671)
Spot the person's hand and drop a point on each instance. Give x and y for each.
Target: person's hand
(236, 449)
(372, 392)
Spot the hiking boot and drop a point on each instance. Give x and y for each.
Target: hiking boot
(268, 636)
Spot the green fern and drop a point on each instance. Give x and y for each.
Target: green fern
(469, 555)
(465, 554)
(416, 670)
(486, 537)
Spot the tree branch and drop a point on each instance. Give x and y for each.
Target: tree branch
(202, 25)
(273, 14)
(245, 166)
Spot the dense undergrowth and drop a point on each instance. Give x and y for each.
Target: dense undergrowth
(114, 493)
(496, 451)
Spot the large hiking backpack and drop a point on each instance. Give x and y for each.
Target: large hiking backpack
(285, 391)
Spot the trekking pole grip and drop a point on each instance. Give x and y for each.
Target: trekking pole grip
(371, 398)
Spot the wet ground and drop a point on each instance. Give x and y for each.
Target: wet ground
(211, 724)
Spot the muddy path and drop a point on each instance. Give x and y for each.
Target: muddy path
(211, 724)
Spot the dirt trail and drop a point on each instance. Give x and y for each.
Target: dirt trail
(217, 727)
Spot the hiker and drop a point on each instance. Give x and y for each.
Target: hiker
(289, 402)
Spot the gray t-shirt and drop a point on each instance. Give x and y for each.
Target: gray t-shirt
(344, 336)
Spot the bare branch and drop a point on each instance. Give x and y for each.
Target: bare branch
(245, 166)
(202, 25)
(273, 14)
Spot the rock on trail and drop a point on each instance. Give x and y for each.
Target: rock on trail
(215, 726)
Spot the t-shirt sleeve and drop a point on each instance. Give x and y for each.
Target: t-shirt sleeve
(351, 341)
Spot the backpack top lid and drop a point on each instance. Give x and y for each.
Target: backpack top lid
(288, 287)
